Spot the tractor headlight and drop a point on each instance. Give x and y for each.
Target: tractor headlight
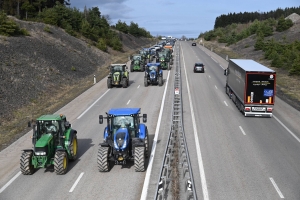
(40, 153)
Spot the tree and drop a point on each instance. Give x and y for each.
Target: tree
(27, 7)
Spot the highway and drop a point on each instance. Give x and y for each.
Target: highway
(233, 157)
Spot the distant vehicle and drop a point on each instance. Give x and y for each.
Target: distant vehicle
(251, 86)
(193, 44)
(199, 67)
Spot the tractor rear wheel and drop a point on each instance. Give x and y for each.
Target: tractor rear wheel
(25, 163)
(124, 82)
(109, 85)
(74, 148)
(142, 68)
(131, 68)
(60, 162)
(160, 81)
(102, 159)
(168, 66)
(139, 159)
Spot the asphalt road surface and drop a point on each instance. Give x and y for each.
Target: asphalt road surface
(233, 157)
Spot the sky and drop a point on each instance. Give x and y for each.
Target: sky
(178, 18)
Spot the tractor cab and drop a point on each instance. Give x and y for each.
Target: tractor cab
(54, 143)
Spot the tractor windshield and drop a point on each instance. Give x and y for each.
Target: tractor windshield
(45, 127)
(153, 68)
(117, 69)
(136, 57)
(123, 122)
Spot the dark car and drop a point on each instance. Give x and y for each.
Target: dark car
(193, 44)
(199, 67)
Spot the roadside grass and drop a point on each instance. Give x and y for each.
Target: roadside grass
(11, 130)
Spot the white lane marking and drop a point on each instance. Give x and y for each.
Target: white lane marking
(209, 76)
(287, 129)
(199, 156)
(9, 182)
(92, 105)
(138, 86)
(128, 102)
(276, 188)
(214, 59)
(147, 177)
(216, 87)
(76, 182)
(221, 67)
(225, 103)
(242, 130)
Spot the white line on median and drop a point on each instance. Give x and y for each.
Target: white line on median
(147, 177)
(9, 182)
(242, 130)
(92, 104)
(199, 156)
(287, 129)
(76, 182)
(128, 102)
(225, 103)
(276, 188)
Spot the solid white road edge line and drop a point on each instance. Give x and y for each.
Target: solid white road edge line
(147, 177)
(242, 130)
(9, 182)
(276, 188)
(128, 102)
(287, 129)
(199, 156)
(76, 182)
(92, 104)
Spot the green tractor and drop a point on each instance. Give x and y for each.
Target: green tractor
(118, 76)
(137, 64)
(169, 56)
(54, 143)
(164, 63)
(145, 55)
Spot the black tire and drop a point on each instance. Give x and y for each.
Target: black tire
(25, 163)
(102, 159)
(61, 162)
(139, 159)
(146, 144)
(145, 82)
(74, 148)
(168, 66)
(124, 83)
(143, 68)
(109, 85)
(160, 81)
(131, 68)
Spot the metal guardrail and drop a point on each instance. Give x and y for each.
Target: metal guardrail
(176, 177)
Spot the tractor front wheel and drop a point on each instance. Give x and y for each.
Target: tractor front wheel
(73, 148)
(60, 162)
(139, 159)
(25, 163)
(102, 159)
(146, 144)
(160, 81)
(109, 85)
(125, 83)
(142, 68)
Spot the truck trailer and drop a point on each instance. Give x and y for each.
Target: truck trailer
(251, 86)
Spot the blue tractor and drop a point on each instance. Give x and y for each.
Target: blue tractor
(125, 139)
(153, 74)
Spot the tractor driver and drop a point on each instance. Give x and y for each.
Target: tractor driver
(50, 127)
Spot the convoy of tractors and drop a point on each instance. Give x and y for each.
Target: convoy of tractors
(125, 139)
